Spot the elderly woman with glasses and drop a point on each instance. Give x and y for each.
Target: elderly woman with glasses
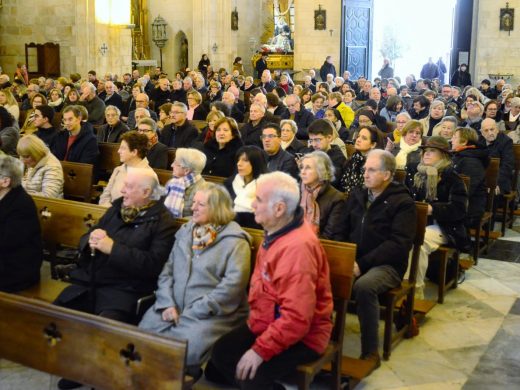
(186, 181)
(132, 153)
(202, 290)
(20, 244)
(322, 204)
(44, 174)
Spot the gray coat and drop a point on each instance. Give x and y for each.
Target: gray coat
(208, 290)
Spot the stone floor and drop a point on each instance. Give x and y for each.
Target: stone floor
(470, 342)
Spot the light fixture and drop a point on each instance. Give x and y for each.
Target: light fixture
(214, 47)
(159, 34)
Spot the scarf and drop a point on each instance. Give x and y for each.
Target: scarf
(397, 136)
(203, 236)
(245, 194)
(464, 147)
(175, 190)
(404, 150)
(427, 178)
(353, 177)
(56, 103)
(209, 135)
(311, 208)
(129, 214)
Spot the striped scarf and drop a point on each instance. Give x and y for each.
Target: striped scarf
(175, 190)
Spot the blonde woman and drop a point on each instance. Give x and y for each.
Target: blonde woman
(8, 101)
(43, 174)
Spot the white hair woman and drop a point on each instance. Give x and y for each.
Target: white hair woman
(187, 179)
(322, 204)
(201, 292)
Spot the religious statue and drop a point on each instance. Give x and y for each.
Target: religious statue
(183, 60)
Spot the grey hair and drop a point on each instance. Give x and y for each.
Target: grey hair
(146, 112)
(450, 119)
(113, 108)
(148, 122)
(180, 105)
(12, 168)
(386, 159)
(436, 103)
(192, 159)
(324, 166)
(294, 126)
(148, 179)
(515, 102)
(405, 114)
(259, 106)
(285, 190)
(90, 86)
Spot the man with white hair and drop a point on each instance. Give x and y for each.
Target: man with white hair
(141, 101)
(267, 83)
(122, 256)
(300, 115)
(307, 83)
(112, 97)
(94, 105)
(252, 129)
(290, 295)
(228, 98)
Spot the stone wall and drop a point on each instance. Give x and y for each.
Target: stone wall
(496, 51)
(70, 23)
(205, 23)
(312, 46)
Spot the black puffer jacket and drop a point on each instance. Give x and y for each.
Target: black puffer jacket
(385, 230)
(332, 210)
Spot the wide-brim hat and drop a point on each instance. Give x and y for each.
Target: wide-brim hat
(439, 143)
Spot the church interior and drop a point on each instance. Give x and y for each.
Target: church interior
(472, 339)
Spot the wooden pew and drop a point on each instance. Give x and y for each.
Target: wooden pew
(164, 175)
(95, 351)
(341, 257)
(77, 180)
(108, 156)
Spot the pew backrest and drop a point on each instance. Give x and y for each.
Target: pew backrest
(95, 351)
(108, 156)
(77, 184)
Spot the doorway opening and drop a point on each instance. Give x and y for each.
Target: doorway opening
(408, 32)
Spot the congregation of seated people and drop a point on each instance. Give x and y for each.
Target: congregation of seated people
(302, 162)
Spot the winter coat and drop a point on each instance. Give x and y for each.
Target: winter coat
(45, 178)
(84, 149)
(473, 162)
(283, 161)
(221, 162)
(209, 290)
(290, 296)
(460, 79)
(383, 231)
(108, 133)
(184, 136)
(325, 69)
(303, 119)
(9, 137)
(332, 213)
(251, 133)
(140, 250)
(502, 148)
(20, 244)
(449, 207)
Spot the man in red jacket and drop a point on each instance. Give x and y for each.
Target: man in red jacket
(290, 296)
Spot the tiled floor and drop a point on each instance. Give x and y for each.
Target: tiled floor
(472, 341)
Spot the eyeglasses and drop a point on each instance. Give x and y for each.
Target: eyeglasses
(144, 130)
(176, 112)
(268, 136)
(315, 140)
(141, 101)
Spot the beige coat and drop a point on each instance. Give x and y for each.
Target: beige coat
(45, 179)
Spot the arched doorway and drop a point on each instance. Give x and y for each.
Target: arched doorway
(180, 51)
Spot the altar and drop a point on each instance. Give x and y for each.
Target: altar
(283, 61)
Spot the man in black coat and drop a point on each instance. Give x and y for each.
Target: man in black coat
(112, 98)
(380, 219)
(277, 158)
(157, 155)
(122, 256)
(300, 115)
(501, 146)
(114, 128)
(76, 143)
(252, 130)
(43, 116)
(327, 68)
(261, 65)
(161, 94)
(181, 133)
